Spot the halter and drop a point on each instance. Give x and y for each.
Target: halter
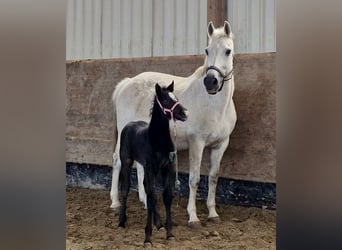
(168, 110)
(224, 77)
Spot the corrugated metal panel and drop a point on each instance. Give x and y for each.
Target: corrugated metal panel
(135, 28)
(254, 25)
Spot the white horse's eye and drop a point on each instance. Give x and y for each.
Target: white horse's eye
(228, 51)
(206, 51)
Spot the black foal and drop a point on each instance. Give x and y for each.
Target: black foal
(151, 145)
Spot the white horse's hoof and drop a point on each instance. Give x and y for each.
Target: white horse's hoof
(214, 220)
(115, 206)
(194, 224)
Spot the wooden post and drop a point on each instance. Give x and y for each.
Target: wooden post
(217, 12)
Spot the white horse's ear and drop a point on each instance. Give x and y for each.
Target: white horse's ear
(170, 87)
(211, 29)
(158, 89)
(227, 28)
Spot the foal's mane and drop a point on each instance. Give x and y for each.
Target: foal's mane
(152, 105)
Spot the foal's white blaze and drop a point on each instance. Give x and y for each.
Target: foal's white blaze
(212, 117)
(173, 97)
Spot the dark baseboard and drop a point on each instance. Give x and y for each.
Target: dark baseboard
(229, 191)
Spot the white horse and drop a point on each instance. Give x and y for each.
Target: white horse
(207, 94)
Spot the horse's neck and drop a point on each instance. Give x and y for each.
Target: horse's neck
(219, 102)
(159, 132)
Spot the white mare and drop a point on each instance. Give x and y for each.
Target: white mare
(207, 94)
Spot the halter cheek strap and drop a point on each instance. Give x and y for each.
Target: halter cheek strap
(166, 110)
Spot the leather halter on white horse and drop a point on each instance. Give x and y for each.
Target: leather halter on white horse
(224, 77)
(212, 115)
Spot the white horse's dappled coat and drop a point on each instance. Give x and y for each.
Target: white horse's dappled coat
(211, 120)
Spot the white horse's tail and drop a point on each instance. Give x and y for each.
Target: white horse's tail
(115, 126)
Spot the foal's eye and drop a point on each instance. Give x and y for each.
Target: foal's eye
(228, 52)
(206, 51)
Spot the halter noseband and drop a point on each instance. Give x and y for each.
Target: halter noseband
(168, 110)
(224, 77)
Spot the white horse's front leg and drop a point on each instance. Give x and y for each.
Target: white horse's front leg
(215, 161)
(115, 181)
(195, 158)
(141, 189)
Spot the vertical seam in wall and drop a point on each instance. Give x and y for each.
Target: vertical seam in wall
(174, 29)
(101, 30)
(198, 29)
(262, 27)
(111, 30)
(186, 28)
(130, 46)
(275, 27)
(83, 27)
(152, 32)
(248, 25)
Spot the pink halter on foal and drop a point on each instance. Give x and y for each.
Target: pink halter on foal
(165, 110)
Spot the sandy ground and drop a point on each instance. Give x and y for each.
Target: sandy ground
(91, 224)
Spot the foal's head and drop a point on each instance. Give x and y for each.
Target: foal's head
(169, 104)
(219, 60)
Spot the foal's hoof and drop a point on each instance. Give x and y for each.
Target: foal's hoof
(214, 220)
(194, 224)
(161, 229)
(147, 245)
(170, 237)
(121, 226)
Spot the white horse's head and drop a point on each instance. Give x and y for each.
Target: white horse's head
(219, 60)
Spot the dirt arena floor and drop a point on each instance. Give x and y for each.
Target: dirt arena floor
(91, 224)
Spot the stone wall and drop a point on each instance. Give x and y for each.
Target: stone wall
(251, 153)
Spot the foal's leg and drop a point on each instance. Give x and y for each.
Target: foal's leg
(195, 156)
(125, 179)
(115, 178)
(168, 176)
(215, 160)
(149, 181)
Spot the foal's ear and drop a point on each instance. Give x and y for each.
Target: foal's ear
(158, 89)
(211, 29)
(170, 87)
(227, 28)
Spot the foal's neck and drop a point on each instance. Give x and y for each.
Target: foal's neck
(158, 130)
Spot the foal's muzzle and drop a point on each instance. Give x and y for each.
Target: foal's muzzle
(182, 115)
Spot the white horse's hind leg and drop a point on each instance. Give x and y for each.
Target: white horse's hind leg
(141, 189)
(115, 181)
(215, 160)
(195, 158)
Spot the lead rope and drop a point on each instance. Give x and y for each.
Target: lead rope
(177, 182)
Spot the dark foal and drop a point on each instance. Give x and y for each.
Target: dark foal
(151, 145)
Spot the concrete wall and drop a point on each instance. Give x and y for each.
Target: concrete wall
(251, 153)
